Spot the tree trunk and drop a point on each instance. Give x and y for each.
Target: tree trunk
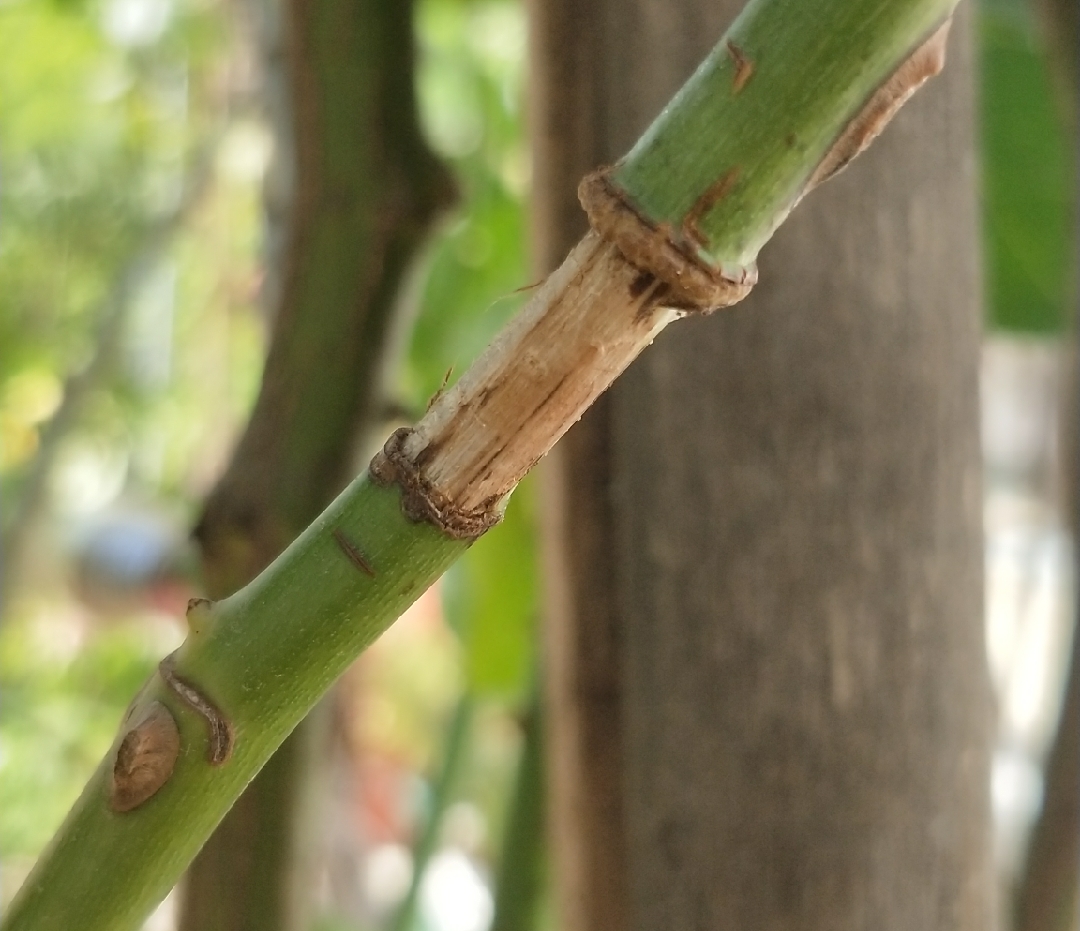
(354, 191)
(769, 696)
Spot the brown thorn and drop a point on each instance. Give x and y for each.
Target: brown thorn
(442, 388)
(744, 67)
(528, 287)
(220, 744)
(709, 199)
(350, 549)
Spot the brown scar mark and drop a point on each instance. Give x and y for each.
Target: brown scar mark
(709, 199)
(656, 299)
(145, 758)
(543, 403)
(528, 287)
(352, 551)
(220, 745)
(744, 67)
(485, 396)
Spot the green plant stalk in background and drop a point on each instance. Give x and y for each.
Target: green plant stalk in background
(266, 654)
(520, 886)
(427, 840)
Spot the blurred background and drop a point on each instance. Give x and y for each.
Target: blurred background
(145, 176)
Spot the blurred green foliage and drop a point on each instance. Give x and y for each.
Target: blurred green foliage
(61, 697)
(104, 104)
(1028, 175)
(471, 98)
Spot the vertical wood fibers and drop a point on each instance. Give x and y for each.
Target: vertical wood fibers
(770, 707)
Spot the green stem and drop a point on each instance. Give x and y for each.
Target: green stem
(457, 743)
(266, 654)
(803, 85)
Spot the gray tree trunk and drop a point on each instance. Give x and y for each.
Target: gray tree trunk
(770, 705)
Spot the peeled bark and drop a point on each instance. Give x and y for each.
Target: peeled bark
(771, 708)
(354, 192)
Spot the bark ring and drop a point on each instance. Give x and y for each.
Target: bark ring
(695, 286)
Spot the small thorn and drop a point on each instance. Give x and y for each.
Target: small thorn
(351, 551)
(198, 615)
(442, 388)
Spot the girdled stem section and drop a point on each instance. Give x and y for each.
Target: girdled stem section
(584, 326)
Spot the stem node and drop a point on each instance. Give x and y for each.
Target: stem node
(696, 286)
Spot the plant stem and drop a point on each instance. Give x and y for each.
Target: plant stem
(263, 656)
(521, 864)
(365, 190)
(457, 744)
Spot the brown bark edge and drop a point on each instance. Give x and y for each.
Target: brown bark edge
(421, 501)
(653, 248)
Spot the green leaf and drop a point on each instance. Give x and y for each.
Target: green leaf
(1026, 177)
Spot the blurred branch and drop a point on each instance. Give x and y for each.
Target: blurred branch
(521, 864)
(427, 838)
(1060, 20)
(352, 194)
(1048, 891)
(155, 241)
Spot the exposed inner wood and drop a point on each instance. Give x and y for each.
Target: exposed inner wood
(585, 324)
